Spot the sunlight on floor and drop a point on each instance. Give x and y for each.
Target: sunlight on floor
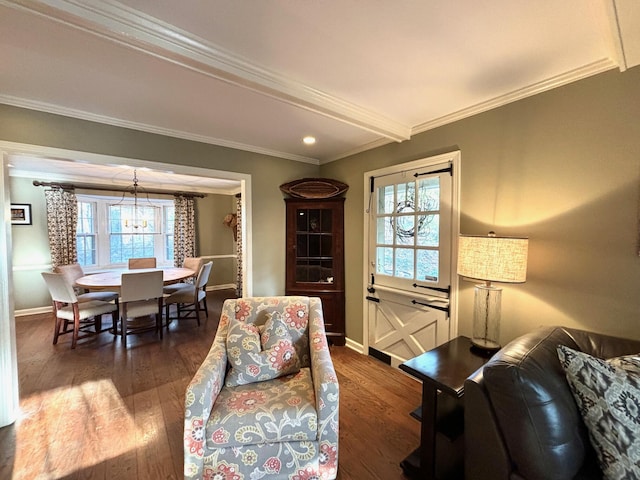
(56, 446)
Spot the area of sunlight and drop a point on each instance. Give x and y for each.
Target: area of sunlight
(51, 444)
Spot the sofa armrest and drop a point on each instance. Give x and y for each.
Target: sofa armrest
(325, 384)
(485, 454)
(201, 394)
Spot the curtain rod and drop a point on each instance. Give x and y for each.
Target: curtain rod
(88, 186)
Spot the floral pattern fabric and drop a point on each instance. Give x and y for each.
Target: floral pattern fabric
(291, 459)
(608, 396)
(259, 353)
(62, 223)
(276, 410)
(184, 229)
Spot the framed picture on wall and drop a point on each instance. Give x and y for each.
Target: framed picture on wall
(20, 214)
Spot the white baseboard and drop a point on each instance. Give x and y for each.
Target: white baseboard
(32, 311)
(358, 347)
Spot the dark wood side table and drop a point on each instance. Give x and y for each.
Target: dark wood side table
(442, 371)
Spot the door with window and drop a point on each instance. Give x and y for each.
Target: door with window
(412, 224)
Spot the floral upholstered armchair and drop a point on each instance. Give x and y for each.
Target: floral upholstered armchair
(264, 403)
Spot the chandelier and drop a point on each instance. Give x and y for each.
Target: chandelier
(137, 223)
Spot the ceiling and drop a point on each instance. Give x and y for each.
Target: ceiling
(261, 75)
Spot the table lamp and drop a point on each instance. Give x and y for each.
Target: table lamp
(492, 259)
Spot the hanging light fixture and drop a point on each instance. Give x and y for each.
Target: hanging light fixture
(136, 223)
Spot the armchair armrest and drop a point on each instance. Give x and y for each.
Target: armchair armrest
(325, 384)
(201, 394)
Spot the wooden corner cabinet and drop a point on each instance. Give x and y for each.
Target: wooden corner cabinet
(315, 257)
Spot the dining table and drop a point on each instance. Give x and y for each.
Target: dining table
(112, 279)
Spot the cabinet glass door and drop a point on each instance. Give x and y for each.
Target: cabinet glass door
(314, 245)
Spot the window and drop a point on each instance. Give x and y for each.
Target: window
(410, 212)
(169, 217)
(408, 229)
(110, 231)
(86, 234)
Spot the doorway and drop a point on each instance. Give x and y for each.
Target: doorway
(412, 223)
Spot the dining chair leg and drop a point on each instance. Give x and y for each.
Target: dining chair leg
(56, 329)
(123, 325)
(114, 321)
(76, 325)
(198, 312)
(206, 309)
(167, 315)
(159, 317)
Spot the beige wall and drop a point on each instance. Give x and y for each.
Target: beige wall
(562, 167)
(267, 173)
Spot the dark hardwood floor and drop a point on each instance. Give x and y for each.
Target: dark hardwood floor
(105, 412)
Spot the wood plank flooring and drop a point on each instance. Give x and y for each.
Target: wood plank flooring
(105, 412)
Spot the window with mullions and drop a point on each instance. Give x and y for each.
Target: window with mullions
(408, 229)
(169, 219)
(86, 233)
(132, 232)
(110, 232)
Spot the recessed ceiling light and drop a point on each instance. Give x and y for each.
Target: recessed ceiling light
(309, 140)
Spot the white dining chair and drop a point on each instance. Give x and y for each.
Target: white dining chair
(140, 296)
(69, 311)
(188, 298)
(73, 272)
(192, 263)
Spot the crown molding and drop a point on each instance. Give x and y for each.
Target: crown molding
(131, 28)
(362, 148)
(549, 84)
(116, 122)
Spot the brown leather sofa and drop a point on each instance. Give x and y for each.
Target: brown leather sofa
(521, 421)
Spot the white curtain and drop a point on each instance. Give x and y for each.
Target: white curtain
(184, 230)
(62, 223)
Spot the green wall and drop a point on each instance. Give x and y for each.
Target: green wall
(214, 239)
(562, 167)
(267, 173)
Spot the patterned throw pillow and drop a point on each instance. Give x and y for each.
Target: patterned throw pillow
(607, 393)
(259, 353)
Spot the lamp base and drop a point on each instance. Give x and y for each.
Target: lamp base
(485, 344)
(486, 317)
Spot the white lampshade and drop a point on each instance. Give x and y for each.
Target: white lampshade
(493, 258)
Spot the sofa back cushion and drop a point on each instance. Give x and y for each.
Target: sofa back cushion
(534, 407)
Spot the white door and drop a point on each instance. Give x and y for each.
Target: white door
(412, 225)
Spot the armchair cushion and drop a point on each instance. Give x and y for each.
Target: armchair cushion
(260, 353)
(277, 410)
(608, 396)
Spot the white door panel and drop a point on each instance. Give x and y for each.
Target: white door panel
(412, 226)
(403, 329)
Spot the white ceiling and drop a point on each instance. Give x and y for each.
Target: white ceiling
(260, 75)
